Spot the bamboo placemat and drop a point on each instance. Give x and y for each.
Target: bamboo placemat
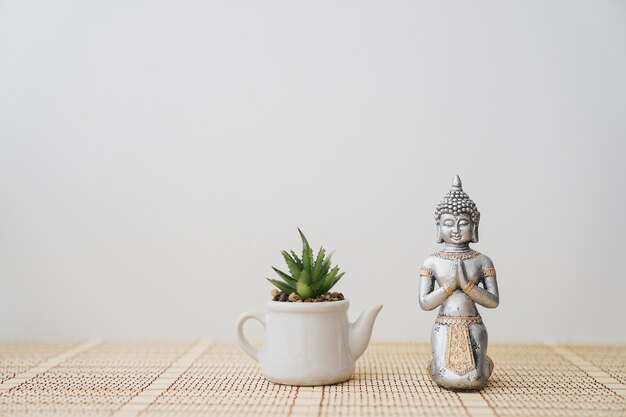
(217, 379)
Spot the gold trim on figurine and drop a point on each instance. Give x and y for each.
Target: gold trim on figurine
(468, 287)
(459, 357)
(454, 320)
(454, 256)
(489, 272)
(426, 272)
(447, 290)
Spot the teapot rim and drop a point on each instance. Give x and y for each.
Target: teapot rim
(312, 308)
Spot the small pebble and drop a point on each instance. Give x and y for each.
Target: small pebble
(283, 297)
(275, 292)
(293, 297)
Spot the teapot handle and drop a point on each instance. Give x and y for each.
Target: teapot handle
(243, 341)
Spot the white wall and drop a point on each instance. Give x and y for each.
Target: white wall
(156, 156)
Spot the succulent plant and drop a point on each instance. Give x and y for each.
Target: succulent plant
(310, 276)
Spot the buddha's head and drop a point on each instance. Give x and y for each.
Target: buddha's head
(457, 217)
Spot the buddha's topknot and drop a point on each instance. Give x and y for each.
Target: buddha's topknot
(456, 202)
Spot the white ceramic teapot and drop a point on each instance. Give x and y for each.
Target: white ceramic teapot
(309, 343)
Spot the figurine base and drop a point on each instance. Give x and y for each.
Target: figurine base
(453, 382)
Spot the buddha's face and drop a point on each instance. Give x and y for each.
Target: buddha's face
(456, 229)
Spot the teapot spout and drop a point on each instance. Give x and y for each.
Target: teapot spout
(361, 331)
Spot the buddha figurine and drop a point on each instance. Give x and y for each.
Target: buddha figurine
(465, 278)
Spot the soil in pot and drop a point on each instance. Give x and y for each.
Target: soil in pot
(295, 298)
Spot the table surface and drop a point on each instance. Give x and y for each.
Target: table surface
(217, 379)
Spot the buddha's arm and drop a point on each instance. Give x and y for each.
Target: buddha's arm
(430, 298)
(488, 296)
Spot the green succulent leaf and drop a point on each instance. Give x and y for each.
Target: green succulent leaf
(326, 265)
(307, 253)
(305, 290)
(327, 281)
(329, 285)
(297, 259)
(305, 277)
(337, 278)
(294, 268)
(317, 269)
(287, 289)
(289, 280)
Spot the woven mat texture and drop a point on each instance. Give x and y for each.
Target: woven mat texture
(203, 378)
